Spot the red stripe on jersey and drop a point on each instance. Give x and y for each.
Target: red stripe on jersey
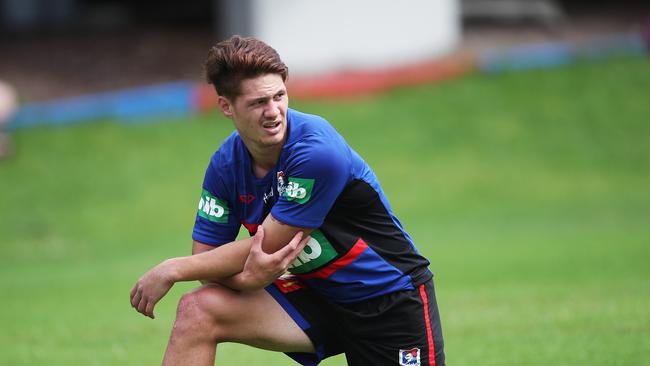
(351, 255)
(252, 228)
(432, 349)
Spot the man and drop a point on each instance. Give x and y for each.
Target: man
(357, 286)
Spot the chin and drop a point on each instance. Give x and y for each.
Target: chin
(273, 141)
(276, 139)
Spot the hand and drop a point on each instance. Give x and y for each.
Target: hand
(151, 287)
(262, 268)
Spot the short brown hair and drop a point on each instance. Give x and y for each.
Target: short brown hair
(238, 58)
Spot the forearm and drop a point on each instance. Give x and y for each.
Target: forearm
(215, 265)
(243, 282)
(210, 266)
(236, 282)
(251, 267)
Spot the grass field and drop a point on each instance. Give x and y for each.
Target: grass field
(529, 192)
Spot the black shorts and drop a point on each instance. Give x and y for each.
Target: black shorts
(400, 328)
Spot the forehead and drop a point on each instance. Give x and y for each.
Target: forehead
(261, 86)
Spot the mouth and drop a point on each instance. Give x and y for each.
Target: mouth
(272, 127)
(271, 124)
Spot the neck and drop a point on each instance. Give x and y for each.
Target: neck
(264, 159)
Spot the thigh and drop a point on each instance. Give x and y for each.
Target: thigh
(254, 318)
(313, 314)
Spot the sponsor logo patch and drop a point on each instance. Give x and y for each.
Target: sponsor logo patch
(212, 208)
(410, 357)
(298, 190)
(317, 253)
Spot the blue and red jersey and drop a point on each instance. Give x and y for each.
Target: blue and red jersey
(358, 249)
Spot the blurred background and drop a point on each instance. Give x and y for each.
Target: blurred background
(511, 137)
(56, 48)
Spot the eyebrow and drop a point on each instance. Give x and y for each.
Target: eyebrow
(267, 97)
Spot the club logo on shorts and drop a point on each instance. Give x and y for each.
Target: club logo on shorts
(212, 208)
(409, 357)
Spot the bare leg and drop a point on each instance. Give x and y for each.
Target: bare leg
(214, 314)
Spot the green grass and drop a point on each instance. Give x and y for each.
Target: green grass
(528, 192)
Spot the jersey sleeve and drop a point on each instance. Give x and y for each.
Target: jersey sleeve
(316, 174)
(215, 222)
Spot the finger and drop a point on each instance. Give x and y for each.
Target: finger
(299, 247)
(258, 239)
(304, 241)
(142, 306)
(135, 300)
(149, 309)
(295, 241)
(291, 256)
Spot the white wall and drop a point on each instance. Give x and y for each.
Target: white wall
(323, 36)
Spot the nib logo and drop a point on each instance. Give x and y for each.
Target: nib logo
(212, 208)
(317, 253)
(298, 190)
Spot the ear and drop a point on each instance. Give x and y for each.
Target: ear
(224, 105)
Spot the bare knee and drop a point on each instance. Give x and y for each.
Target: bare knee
(204, 314)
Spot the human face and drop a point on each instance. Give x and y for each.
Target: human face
(260, 112)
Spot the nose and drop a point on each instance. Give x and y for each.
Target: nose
(271, 110)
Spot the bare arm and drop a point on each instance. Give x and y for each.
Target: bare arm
(245, 264)
(249, 266)
(198, 248)
(232, 282)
